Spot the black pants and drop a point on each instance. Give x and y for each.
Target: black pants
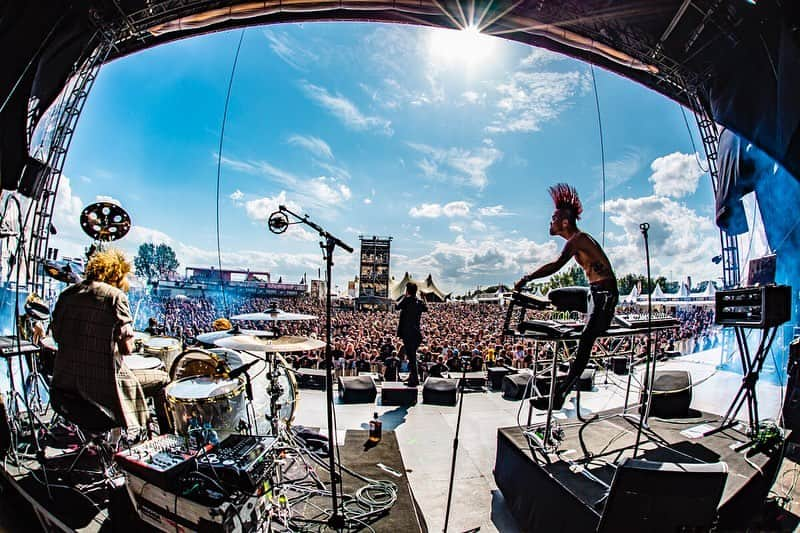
(602, 302)
(411, 346)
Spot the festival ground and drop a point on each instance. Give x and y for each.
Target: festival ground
(425, 436)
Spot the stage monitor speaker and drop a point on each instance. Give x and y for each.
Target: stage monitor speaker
(397, 393)
(661, 497)
(791, 402)
(496, 375)
(440, 391)
(585, 382)
(516, 387)
(34, 176)
(357, 389)
(619, 365)
(311, 378)
(672, 394)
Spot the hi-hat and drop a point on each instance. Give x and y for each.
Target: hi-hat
(212, 336)
(273, 313)
(63, 271)
(264, 344)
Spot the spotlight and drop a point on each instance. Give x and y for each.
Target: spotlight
(717, 259)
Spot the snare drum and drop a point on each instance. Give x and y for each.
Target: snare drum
(165, 348)
(199, 362)
(206, 401)
(138, 362)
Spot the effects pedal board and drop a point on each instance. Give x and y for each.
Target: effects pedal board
(160, 461)
(240, 462)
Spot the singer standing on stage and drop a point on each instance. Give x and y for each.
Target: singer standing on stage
(408, 329)
(92, 324)
(603, 293)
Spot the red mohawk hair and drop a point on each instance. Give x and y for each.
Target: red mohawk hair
(565, 197)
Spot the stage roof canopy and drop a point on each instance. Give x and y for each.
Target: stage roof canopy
(740, 57)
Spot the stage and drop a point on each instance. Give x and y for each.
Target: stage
(70, 511)
(424, 436)
(534, 488)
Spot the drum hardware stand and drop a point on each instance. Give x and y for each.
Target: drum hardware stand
(278, 223)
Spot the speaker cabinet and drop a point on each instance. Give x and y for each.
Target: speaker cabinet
(672, 394)
(440, 391)
(357, 389)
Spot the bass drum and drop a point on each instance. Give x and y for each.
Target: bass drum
(200, 362)
(208, 404)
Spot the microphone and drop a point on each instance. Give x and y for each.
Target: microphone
(233, 374)
(278, 222)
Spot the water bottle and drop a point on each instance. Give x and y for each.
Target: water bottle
(375, 428)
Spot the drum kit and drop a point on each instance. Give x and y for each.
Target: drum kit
(211, 389)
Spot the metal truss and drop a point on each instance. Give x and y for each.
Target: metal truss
(55, 144)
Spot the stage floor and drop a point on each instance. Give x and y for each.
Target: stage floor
(425, 437)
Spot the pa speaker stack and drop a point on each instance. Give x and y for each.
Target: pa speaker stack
(440, 391)
(357, 389)
(672, 394)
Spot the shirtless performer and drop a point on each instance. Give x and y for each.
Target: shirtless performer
(602, 282)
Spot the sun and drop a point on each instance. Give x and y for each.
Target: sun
(467, 47)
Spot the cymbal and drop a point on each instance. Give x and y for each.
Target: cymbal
(63, 271)
(273, 313)
(262, 344)
(212, 336)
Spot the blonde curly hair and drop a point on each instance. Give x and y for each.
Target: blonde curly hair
(221, 324)
(109, 266)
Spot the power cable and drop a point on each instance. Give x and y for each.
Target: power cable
(691, 138)
(602, 153)
(219, 165)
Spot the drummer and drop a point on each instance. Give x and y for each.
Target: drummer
(92, 324)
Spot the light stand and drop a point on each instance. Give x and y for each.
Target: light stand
(278, 223)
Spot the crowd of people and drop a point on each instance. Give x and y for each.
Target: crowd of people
(455, 333)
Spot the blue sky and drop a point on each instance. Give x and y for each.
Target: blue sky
(444, 142)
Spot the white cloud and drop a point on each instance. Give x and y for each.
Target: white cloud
(487, 260)
(457, 165)
(494, 211)
(327, 192)
(472, 97)
(539, 57)
(675, 175)
(288, 49)
(367, 201)
(315, 145)
(321, 191)
(621, 170)
(346, 111)
(529, 99)
(681, 241)
(236, 195)
(450, 210)
(105, 198)
(260, 209)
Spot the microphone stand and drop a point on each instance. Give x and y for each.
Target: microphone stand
(277, 224)
(645, 409)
